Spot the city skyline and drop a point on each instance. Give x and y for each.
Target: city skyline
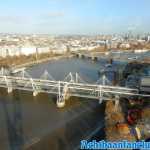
(74, 17)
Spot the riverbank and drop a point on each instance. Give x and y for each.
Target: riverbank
(116, 127)
(12, 61)
(32, 63)
(128, 119)
(25, 61)
(16, 62)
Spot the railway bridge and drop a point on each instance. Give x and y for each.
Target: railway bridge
(72, 85)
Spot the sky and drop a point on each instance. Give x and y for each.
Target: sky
(74, 16)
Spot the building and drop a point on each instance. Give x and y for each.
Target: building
(59, 49)
(9, 51)
(28, 50)
(41, 50)
(124, 45)
(148, 38)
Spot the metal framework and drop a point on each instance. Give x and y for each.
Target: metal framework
(72, 85)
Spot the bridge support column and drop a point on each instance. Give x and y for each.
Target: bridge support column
(116, 102)
(60, 98)
(81, 55)
(60, 103)
(100, 100)
(94, 58)
(8, 84)
(100, 95)
(9, 90)
(35, 93)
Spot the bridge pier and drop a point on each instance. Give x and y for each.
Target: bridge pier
(94, 58)
(60, 99)
(35, 93)
(81, 55)
(63, 96)
(60, 104)
(100, 100)
(100, 95)
(116, 102)
(10, 90)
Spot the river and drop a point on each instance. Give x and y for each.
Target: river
(28, 122)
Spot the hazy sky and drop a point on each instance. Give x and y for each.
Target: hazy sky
(74, 16)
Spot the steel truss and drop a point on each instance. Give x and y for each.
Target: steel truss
(72, 85)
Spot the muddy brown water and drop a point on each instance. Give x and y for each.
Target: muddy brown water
(35, 123)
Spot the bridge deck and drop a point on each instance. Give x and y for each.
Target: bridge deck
(65, 89)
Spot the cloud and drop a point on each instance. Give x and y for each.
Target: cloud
(56, 14)
(50, 17)
(13, 19)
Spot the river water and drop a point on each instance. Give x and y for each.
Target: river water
(28, 122)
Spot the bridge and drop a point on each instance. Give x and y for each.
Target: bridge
(72, 85)
(91, 55)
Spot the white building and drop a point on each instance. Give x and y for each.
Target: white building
(125, 45)
(59, 49)
(3, 52)
(41, 50)
(13, 50)
(9, 51)
(148, 38)
(28, 50)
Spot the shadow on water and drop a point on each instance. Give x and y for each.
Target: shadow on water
(13, 120)
(23, 118)
(84, 119)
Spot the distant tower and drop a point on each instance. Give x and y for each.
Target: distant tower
(130, 35)
(7, 52)
(36, 54)
(148, 38)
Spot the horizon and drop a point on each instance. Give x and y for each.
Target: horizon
(68, 17)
